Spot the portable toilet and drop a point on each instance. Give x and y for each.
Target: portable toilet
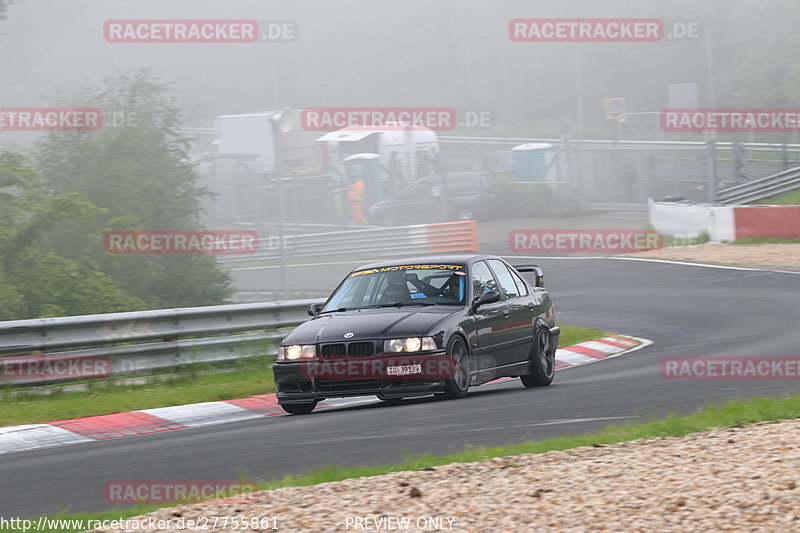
(531, 160)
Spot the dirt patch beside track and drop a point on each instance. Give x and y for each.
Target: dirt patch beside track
(780, 255)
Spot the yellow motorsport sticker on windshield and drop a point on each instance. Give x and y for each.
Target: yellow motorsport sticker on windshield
(406, 267)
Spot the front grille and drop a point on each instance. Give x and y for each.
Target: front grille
(361, 349)
(333, 350)
(353, 349)
(342, 385)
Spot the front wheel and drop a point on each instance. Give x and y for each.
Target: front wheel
(458, 385)
(298, 408)
(542, 360)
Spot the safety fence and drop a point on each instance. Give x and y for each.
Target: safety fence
(654, 169)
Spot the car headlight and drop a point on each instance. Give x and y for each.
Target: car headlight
(409, 344)
(297, 351)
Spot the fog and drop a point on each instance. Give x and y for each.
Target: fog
(362, 53)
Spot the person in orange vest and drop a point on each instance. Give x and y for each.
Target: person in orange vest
(355, 194)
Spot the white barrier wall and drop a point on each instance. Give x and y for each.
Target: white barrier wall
(692, 220)
(681, 220)
(723, 224)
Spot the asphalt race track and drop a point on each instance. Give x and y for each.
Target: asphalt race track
(685, 310)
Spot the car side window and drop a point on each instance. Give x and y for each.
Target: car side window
(461, 185)
(507, 282)
(521, 285)
(482, 279)
(418, 190)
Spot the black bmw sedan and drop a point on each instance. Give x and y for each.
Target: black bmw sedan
(413, 327)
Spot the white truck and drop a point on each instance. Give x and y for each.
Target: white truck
(399, 145)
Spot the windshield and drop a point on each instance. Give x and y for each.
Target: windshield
(401, 285)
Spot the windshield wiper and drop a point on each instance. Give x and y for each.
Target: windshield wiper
(402, 304)
(375, 306)
(341, 310)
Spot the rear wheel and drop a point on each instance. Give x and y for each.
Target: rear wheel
(458, 385)
(542, 360)
(298, 408)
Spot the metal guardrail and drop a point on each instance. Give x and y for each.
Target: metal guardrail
(761, 188)
(390, 241)
(142, 341)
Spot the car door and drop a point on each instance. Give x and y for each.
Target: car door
(494, 342)
(532, 298)
(521, 314)
(415, 204)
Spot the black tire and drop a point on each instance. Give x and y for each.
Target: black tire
(458, 385)
(542, 360)
(298, 408)
(463, 213)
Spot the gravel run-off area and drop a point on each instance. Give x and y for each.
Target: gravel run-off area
(774, 255)
(739, 480)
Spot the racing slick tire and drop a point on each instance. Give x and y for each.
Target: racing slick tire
(298, 408)
(458, 385)
(542, 360)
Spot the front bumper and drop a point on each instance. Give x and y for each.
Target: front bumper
(309, 381)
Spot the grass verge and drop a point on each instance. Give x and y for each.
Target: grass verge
(730, 414)
(765, 240)
(248, 377)
(574, 334)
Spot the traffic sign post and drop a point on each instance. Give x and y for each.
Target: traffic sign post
(615, 108)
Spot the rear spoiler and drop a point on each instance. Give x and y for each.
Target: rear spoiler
(536, 269)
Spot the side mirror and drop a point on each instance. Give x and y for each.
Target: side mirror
(487, 297)
(314, 309)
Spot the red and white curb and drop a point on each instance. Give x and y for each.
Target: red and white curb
(598, 349)
(93, 428)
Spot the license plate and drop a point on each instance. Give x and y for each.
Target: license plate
(404, 370)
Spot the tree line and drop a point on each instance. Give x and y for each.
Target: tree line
(58, 200)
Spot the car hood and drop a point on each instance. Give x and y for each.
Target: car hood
(369, 324)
